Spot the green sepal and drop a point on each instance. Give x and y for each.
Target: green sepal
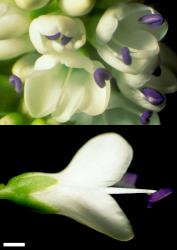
(20, 190)
(48, 9)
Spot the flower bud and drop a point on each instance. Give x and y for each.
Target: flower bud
(31, 4)
(76, 8)
(24, 67)
(12, 119)
(14, 47)
(13, 21)
(56, 33)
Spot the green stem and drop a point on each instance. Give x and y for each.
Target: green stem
(4, 192)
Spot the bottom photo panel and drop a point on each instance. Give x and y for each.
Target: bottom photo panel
(86, 187)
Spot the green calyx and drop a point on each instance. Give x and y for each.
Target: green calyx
(50, 8)
(20, 190)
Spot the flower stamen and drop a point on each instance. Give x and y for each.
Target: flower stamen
(153, 96)
(16, 82)
(65, 40)
(159, 195)
(101, 75)
(153, 20)
(55, 36)
(145, 117)
(126, 57)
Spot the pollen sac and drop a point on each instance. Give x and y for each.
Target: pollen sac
(126, 57)
(159, 195)
(101, 75)
(16, 82)
(153, 20)
(54, 37)
(65, 40)
(153, 96)
(145, 117)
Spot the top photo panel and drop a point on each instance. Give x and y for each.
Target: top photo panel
(88, 62)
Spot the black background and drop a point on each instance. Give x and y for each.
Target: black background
(49, 149)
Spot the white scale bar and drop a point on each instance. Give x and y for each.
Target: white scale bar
(17, 244)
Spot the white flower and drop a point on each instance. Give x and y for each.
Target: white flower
(82, 190)
(21, 70)
(13, 21)
(31, 4)
(66, 84)
(76, 8)
(120, 111)
(24, 66)
(14, 47)
(56, 33)
(149, 90)
(127, 37)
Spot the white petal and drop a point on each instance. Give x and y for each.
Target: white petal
(46, 62)
(168, 57)
(14, 47)
(140, 62)
(166, 83)
(109, 21)
(71, 59)
(96, 98)
(43, 90)
(136, 96)
(134, 81)
(13, 21)
(122, 116)
(102, 161)
(107, 25)
(145, 47)
(31, 4)
(92, 208)
(116, 116)
(131, 22)
(73, 94)
(24, 66)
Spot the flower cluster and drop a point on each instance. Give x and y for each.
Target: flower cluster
(83, 62)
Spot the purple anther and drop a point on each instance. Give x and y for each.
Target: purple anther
(159, 195)
(101, 75)
(157, 72)
(126, 57)
(65, 40)
(16, 82)
(128, 180)
(145, 117)
(54, 37)
(153, 20)
(153, 96)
